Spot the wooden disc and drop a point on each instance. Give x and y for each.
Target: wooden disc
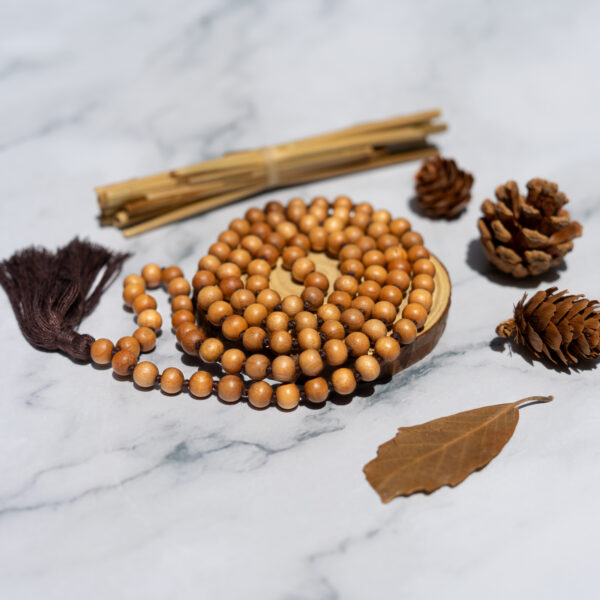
(428, 336)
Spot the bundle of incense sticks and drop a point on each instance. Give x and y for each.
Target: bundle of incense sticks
(142, 204)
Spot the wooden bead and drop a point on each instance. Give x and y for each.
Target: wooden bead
(399, 278)
(364, 304)
(346, 283)
(353, 267)
(183, 329)
(319, 201)
(411, 238)
(392, 294)
(229, 237)
(373, 257)
(144, 374)
(275, 218)
(276, 240)
(259, 266)
(376, 273)
(370, 289)
(209, 295)
(269, 254)
(329, 312)
(171, 273)
(123, 362)
(130, 344)
(358, 343)
(333, 329)
(220, 250)
(232, 361)
(255, 314)
(274, 206)
(150, 318)
(335, 240)
(353, 234)
(423, 266)
(252, 243)
(399, 227)
(422, 297)
(288, 396)
(360, 219)
(152, 275)
(101, 351)
(305, 320)
(381, 216)
(134, 279)
(131, 292)
(394, 252)
(332, 224)
(314, 296)
(292, 305)
(283, 368)
(300, 240)
(415, 312)
(342, 300)
(268, 298)
(316, 390)
(387, 241)
(368, 367)
(191, 341)
(353, 319)
(230, 388)
(171, 380)
(309, 339)
(201, 384)
(241, 299)
(182, 316)
(277, 321)
(416, 252)
(318, 280)
(178, 303)
(290, 255)
(318, 239)
(256, 366)
(211, 350)
(230, 285)
(399, 264)
(301, 268)
(336, 352)
(376, 230)
(178, 286)
(253, 338)
(261, 229)
(254, 215)
(260, 394)
(240, 257)
(307, 222)
(287, 229)
(218, 311)
(233, 327)
(387, 347)
(280, 342)
(374, 329)
(310, 362)
(343, 381)
(342, 202)
(406, 331)
(240, 226)
(146, 338)
(423, 282)
(228, 269)
(384, 311)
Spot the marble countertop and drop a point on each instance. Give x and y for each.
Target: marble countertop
(107, 492)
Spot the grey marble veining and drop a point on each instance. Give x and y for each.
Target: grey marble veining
(107, 492)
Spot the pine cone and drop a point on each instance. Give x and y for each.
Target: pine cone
(443, 190)
(565, 329)
(527, 236)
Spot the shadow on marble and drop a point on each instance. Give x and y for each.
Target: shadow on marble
(477, 261)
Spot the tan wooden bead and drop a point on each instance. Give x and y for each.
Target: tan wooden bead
(233, 327)
(305, 320)
(336, 352)
(329, 312)
(129, 343)
(392, 294)
(232, 361)
(260, 394)
(387, 241)
(256, 366)
(274, 206)
(269, 253)
(349, 252)
(332, 224)
(183, 329)
(314, 296)
(422, 297)
(192, 340)
(182, 316)
(333, 329)
(346, 283)
(309, 339)
(252, 243)
(335, 240)
(276, 240)
(406, 331)
(320, 212)
(399, 227)
(342, 202)
(287, 229)
(280, 342)
(373, 257)
(400, 264)
(353, 319)
(170, 273)
(274, 218)
(254, 215)
(318, 239)
(364, 304)
(353, 234)
(423, 266)
(423, 282)
(360, 219)
(352, 267)
(201, 384)
(230, 285)
(259, 266)
(134, 279)
(368, 367)
(308, 222)
(150, 318)
(374, 329)
(211, 350)
(144, 374)
(209, 263)
(255, 314)
(300, 240)
(220, 250)
(290, 255)
(343, 381)
(171, 380)
(230, 388)
(399, 278)
(358, 342)
(292, 305)
(370, 289)
(319, 201)
(123, 362)
(253, 338)
(101, 351)
(268, 298)
(229, 237)
(178, 286)
(416, 252)
(288, 396)
(277, 321)
(310, 362)
(411, 238)
(152, 275)
(228, 269)
(301, 268)
(208, 295)
(394, 252)
(240, 257)
(283, 368)
(132, 291)
(342, 300)
(376, 273)
(241, 299)
(384, 311)
(387, 347)
(146, 338)
(218, 310)
(376, 230)
(178, 303)
(240, 226)
(316, 390)
(261, 229)
(415, 312)
(381, 216)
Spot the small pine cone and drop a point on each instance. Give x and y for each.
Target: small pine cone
(443, 190)
(564, 329)
(527, 236)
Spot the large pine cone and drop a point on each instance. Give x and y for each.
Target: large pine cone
(565, 329)
(443, 190)
(527, 236)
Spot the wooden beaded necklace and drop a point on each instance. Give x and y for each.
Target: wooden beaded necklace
(310, 343)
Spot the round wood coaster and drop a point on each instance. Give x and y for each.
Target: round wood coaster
(281, 281)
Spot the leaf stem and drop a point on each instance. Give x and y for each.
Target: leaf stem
(534, 400)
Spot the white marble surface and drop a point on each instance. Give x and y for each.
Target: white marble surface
(106, 492)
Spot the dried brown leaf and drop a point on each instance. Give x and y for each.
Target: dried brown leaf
(445, 451)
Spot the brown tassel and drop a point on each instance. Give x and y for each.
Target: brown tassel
(51, 293)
